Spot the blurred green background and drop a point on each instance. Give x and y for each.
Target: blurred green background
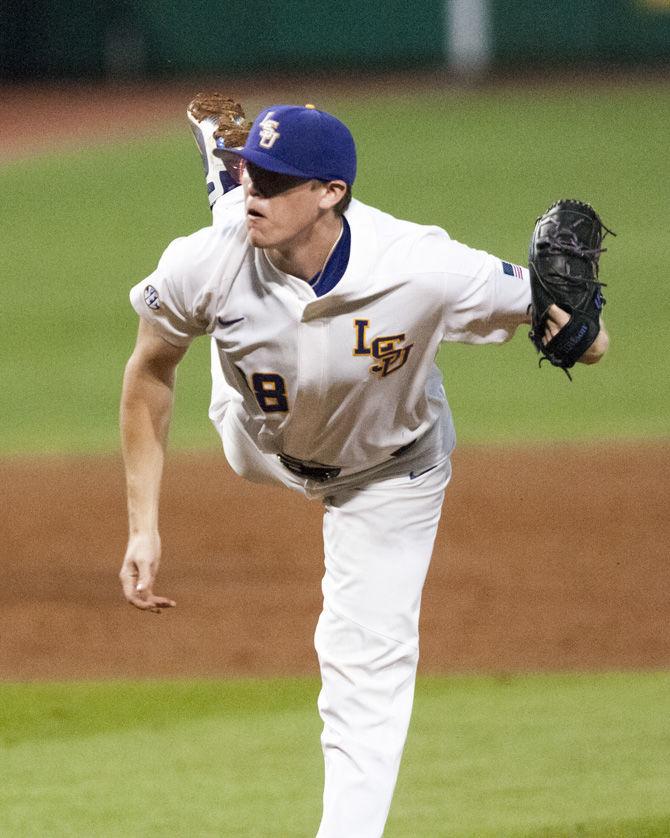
(81, 228)
(167, 38)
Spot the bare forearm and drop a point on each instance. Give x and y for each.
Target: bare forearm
(598, 348)
(146, 409)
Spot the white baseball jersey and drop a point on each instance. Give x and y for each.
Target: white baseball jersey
(347, 379)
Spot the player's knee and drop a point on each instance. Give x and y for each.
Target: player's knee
(342, 642)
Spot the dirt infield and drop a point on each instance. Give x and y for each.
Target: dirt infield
(519, 581)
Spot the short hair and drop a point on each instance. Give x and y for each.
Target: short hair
(343, 204)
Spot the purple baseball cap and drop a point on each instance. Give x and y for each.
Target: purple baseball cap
(301, 141)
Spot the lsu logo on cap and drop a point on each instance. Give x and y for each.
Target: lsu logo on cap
(268, 132)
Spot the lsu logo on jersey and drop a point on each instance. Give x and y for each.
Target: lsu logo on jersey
(268, 132)
(389, 351)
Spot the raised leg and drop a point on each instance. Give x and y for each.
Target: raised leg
(218, 123)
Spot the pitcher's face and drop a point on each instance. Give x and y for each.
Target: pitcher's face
(280, 208)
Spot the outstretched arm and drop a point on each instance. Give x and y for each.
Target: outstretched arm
(146, 408)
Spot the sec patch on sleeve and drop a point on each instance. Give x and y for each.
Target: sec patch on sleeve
(151, 297)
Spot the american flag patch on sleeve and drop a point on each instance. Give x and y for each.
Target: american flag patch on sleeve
(512, 270)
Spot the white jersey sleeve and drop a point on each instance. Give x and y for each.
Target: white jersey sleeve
(180, 298)
(166, 302)
(485, 298)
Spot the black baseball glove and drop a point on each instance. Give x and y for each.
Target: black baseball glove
(563, 260)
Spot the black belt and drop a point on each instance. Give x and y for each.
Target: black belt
(400, 451)
(320, 472)
(314, 471)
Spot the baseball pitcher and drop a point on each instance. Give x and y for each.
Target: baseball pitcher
(325, 316)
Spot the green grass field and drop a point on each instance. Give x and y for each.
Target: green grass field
(81, 228)
(542, 756)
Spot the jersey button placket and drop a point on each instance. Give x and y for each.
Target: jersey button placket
(312, 364)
